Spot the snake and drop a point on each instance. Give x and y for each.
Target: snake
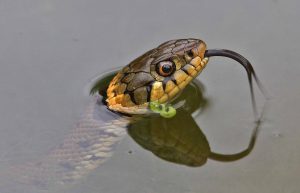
(148, 85)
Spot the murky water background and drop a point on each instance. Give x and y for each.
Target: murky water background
(51, 49)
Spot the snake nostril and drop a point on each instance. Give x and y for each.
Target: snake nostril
(190, 53)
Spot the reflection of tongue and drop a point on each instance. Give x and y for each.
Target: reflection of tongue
(240, 155)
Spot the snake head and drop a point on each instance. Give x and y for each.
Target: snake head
(157, 76)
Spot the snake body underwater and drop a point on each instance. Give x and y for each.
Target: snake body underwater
(157, 77)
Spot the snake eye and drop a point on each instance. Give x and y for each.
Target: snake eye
(165, 68)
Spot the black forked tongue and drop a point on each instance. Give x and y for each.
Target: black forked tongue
(247, 65)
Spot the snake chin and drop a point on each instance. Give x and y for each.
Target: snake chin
(135, 110)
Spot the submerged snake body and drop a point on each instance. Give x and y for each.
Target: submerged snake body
(89, 144)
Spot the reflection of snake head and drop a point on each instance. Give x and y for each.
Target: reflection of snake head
(177, 140)
(158, 75)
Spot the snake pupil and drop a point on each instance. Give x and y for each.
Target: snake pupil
(166, 68)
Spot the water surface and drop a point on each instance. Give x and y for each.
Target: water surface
(50, 49)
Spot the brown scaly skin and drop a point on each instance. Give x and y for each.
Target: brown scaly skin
(140, 82)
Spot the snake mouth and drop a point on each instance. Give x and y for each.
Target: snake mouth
(159, 75)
